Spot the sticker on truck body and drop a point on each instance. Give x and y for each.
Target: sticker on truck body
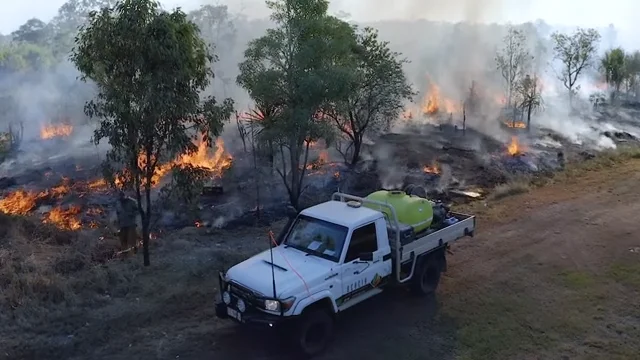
(363, 286)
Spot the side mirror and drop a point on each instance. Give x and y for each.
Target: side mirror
(366, 256)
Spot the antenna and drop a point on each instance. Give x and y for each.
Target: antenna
(273, 275)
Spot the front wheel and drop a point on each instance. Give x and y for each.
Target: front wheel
(426, 277)
(314, 333)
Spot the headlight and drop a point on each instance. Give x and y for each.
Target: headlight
(276, 305)
(241, 305)
(226, 298)
(272, 305)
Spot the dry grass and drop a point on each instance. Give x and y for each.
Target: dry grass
(37, 263)
(572, 172)
(569, 313)
(590, 173)
(514, 187)
(537, 311)
(63, 292)
(61, 285)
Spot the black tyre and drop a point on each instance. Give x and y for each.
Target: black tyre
(314, 332)
(427, 276)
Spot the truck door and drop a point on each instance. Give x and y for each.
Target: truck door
(363, 266)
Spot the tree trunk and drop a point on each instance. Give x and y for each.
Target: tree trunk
(529, 109)
(271, 155)
(145, 227)
(294, 194)
(464, 120)
(257, 177)
(357, 147)
(571, 99)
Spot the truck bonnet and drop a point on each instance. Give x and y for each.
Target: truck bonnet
(294, 272)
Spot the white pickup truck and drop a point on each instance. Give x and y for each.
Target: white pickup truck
(333, 256)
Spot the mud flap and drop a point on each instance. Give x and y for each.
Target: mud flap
(443, 259)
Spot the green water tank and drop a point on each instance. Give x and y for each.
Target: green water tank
(412, 210)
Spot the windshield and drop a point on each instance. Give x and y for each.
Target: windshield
(317, 237)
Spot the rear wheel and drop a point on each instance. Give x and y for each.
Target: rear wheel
(426, 276)
(314, 333)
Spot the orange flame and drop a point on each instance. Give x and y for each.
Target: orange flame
(434, 103)
(323, 158)
(20, 202)
(516, 125)
(64, 219)
(54, 131)
(216, 164)
(433, 169)
(515, 148)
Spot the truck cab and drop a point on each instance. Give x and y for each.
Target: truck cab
(332, 256)
(330, 251)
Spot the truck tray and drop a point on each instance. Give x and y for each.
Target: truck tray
(431, 238)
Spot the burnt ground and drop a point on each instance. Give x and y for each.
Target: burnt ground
(553, 273)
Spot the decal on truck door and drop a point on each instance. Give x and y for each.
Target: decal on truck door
(368, 286)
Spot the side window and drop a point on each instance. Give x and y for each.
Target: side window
(363, 240)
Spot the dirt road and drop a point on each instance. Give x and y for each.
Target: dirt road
(554, 273)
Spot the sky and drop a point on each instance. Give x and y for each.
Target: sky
(584, 13)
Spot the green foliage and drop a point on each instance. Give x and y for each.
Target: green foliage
(24, 57)
(528, 96)
(632, 71)
(71, 15)
(378, 89)
(576, 52)
(215, 24)
(512, 60)
(34, 31)
(183, 193)
(150, 67)
(613, 68)
(218, 29)
(296, 69)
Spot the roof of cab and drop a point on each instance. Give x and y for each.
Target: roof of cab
(340, 213)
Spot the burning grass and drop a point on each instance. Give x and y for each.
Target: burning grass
(434, 168)
(24, 203)
(20, 202)
(435, 103)
(55, 131)
(515, 147)
(216, 164)
(66, 219)
(515, 124)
